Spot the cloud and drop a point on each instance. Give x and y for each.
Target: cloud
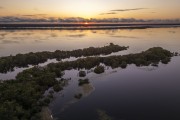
(9, 42)
(125, 10)
(109, 13)
(31, 19)
(34, 15)
(27, 19)
(117, 36)
(76, 35)
(1, 7)
(153, 12)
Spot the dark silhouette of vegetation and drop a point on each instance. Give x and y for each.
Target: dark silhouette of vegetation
(47, 101)
(99, 69)
(82, 73)
(57, 88)
(23, 98)
(23, 60)
(78, 96)
(124, 64)
(176, 54)
(145, 58)
(83, 81)
(166, 60)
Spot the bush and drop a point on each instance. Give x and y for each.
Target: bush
(123, 64)
(176, 54)
(82, 82)
(82, 74)
(47, 101)
(166, 60)
(57, 88)
(99, 69)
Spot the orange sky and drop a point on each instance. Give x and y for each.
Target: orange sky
(139, 9)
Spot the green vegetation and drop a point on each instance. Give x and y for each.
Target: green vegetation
(99, 69)
(166, 60)
(47, 101)
(57, 88)
(23, 60)
(83, 81)
(145, 58)
(82, 73)
(124, 64)
(23, 98)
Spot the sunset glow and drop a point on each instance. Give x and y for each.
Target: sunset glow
(139, 9)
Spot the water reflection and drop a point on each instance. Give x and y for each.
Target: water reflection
(132, 93)
(128, 94)
(24, 41)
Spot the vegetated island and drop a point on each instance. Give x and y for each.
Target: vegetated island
(23, 60)
(23, 98)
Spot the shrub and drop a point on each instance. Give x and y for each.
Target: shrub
(99, 69)
(57, 88)
(47, 100)
(166, 60)
(123, 64)
(82, 82)
(82, 74)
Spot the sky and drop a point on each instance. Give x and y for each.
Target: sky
(138, 9)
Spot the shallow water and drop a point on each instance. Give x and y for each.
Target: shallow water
(145, 93)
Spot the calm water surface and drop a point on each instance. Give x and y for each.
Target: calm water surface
(145, 93)
(24, 41)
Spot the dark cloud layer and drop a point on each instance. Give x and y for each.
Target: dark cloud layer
(108, 13)
(35, 15)
(125, 10)
(115, 11)
(32, 19)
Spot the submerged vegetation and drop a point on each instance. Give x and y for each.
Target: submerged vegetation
(83, 81)
(22, 60)
(78, 96)
(103, 115)
(23, 98)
